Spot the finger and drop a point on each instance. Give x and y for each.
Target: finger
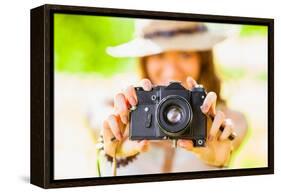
(191, 83)
(125, 133)
(143, 145)
(218, 120)
(131, 95)
(107, 133)
(109, 145)
(121, 107)
(114, 126)
(209, 104)
(146, 84)
(186, 144)
(222, 153)
(228, 128)
(130, 148)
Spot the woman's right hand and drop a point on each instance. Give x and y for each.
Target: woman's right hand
(116, 126)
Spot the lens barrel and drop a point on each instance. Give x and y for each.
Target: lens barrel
(173, 115)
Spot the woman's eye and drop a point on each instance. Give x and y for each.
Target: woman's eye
(157, 56)
(160, 56)
(185, 55)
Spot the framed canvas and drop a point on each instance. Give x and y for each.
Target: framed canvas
(126, 96)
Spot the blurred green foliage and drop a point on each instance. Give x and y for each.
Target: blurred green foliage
(231, 73)
(253, 30)
(262, 76)
(80, 43)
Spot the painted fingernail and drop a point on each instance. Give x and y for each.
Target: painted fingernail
(204, 108)
(181, 144)
(132, 101)
(119, 136)
(124, 119)
(210, 138)
(147, 86)
(144, 142)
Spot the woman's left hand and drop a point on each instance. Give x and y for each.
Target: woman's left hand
(218, 147)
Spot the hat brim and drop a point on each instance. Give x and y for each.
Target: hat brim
(140, 47)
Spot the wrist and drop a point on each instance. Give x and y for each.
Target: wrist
(121, 161)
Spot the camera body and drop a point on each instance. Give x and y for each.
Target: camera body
(169, 112)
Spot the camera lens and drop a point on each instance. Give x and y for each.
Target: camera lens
(174, 114)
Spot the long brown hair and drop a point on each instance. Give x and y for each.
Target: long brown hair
(208, 77)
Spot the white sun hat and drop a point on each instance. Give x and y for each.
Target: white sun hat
(157, 36)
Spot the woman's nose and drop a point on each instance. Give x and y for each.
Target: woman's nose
(171, 71)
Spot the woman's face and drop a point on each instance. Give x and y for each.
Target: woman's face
(173, 66)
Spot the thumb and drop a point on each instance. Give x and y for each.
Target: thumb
(143, 145)
(190, 82)
(130, 148)
(186, 144)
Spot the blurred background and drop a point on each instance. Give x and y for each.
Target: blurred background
(86, 79)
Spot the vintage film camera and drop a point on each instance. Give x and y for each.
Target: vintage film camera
(169, 112)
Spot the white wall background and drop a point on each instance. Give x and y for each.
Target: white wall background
(15, 89)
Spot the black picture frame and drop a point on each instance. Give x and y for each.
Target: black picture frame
(42, 96)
